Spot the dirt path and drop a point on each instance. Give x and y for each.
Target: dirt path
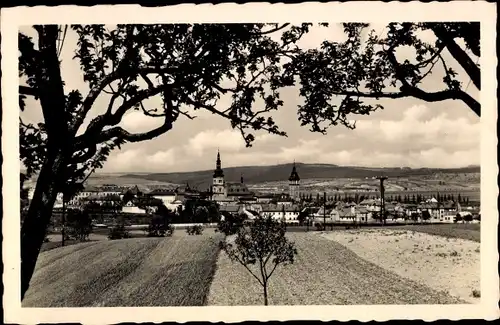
(448, 264)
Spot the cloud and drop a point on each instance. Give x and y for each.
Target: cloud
(162, 158)
(416, 113)
(418, 130)
(422, 137)
(136, 121)
(226, 140)
(137, 160)
(305, 149)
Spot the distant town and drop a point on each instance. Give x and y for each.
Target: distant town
(291, 205)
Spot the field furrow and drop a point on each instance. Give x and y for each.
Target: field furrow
(173, 271)
(324, 273)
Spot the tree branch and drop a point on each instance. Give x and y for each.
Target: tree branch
(213, 110)
(458, 54)
(438, 52)
(246, 267)
(274, 29)
(141, 95)
(25, 90)
(119, 132)
(393, 95)
(88, 102)
(147, 80)
(272, 271)
(433, 63)
(98, 123)
(430, 97)
(91, 151)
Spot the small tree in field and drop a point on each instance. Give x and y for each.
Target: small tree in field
(426, 216)
(160, 227)
(79, 224)
(468, 217)
(229, 224)
(118, 230)
(262, 243)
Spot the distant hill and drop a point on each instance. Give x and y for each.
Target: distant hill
(261, 174)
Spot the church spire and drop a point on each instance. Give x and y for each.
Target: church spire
(218, 166)
(294, 176)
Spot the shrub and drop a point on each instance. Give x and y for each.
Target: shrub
(78, 224)
(159, 227)
(476, 293)
(118, 232)
(229, 224)
(194, 230)
(169, 230)
(319, 226)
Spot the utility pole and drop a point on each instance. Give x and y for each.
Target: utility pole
(307, 221)
(284, 218)
(324, 209)
(382, 199)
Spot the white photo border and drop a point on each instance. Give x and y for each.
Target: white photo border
(369, 11)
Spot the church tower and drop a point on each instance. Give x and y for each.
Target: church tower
(294, 184)
(218, 185)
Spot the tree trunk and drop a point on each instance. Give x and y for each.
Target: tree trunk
(39, 214)
(265, 295)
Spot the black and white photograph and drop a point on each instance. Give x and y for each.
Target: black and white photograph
(313, 162)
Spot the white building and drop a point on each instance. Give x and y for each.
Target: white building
(167, 196)
(131, 207)
(289, 214)
(174, 205)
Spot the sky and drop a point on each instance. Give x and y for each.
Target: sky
(406, 133)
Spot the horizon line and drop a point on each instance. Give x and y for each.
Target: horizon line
(284, 164)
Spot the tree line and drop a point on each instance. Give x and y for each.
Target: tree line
(358, 198)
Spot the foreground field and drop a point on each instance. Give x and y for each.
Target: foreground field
(448, 264)
(451, 230)
(325, 273)
(175, 271)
